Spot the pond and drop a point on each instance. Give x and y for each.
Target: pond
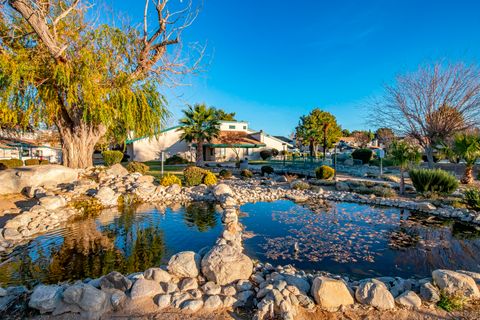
(357, 240)
(131, 240)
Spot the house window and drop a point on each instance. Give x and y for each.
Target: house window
(244, 127)
(231, 127)
(247, 151)
(212, 151)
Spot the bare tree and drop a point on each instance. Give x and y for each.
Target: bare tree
(431, 104)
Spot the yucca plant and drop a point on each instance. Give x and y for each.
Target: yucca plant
(433, 181)
(467, 147)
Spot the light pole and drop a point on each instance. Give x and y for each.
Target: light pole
(335, 162)
(284, 153)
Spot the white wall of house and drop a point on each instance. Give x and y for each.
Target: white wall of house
(233, 126)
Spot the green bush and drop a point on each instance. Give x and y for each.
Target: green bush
(299, 185)
(176, 159)
(111, 157)
(450, 303)
(10, 163)
(385, 162)
(266, 170)
(436, 181)
(325, 173)
(246, 173)
(193, 176)
(139, 167)
(274, 152)
(44, 162)
(169, 179)
(365, 155)
(472, 198)
(225, 174)
(265, 154)
(209, 179)
(32, 162)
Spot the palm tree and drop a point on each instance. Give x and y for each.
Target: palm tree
(403, 155)
(199, 125)
(467, 147)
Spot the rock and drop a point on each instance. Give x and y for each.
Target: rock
(302, 284)
(117, 299)
(409, 299)
(455, 283)
(107, 197)
(157, 274)
(229, 291)
(348, 162)
(475, 275)
(281, 179)
(16, 179)
(73, 294)
(331, 294)
(93, 300)
(188, 284)
(211, 288)
(429, 292)
(163, 301)
(145, 288)
(244, 295)
(224, 264)
(229, 301)
(178, 298)
(244, 285)
(296, 197)
(185, 264)
(222, 189)
(174, 189)
(192, 305)
(115, 280)
(3, 292)
(45, 298)
(117, 170)
(213, 303)
(11, 234)
(342, 186)
(425, 206)
(145, 179)
(53, 202)
(375, 293)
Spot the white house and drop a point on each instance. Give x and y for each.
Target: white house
(42, 145)
(236, 141)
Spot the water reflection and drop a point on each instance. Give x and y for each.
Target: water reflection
(128, 241)
(358, 240)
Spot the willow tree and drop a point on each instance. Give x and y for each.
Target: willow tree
(60, 68)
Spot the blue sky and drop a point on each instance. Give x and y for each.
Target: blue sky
(271, 61)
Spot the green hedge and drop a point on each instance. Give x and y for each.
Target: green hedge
(193, 176)
(10, 163)
(225, 174)
(325, 173)
(176, 159)
(365, 155)
(433, 181)
(44, 162)
(265, 154)
(32, 162)
(135, 166)
(111, 157)
(266, 170)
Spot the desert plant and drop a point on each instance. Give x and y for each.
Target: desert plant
(429, 181)
(324, 173)
(472, 198)
(111, 157)
(10, 163)
(176, 159)
(225, 174)
(274, 152)
(403, 155)
(365, 155)
(170, 179)
(450, 303)
(246, 173)
(139, 167)
(32, 162)
(266, 170)
(467, 147)
(290, 177)
(209, 179)
(193, 176)
(265, 154)
(299, 185)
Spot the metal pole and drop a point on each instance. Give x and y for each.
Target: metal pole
(381, 166)
(335, 163)
(163, 157)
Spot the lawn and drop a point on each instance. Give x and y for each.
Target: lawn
(156, 169)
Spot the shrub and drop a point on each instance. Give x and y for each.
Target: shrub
(225, 174)
(365, 155)
(44, 162)
(472, 198)
(299, 185)
(435, 181)
(325, 172)
(265, 154)
(111, 157)
(274, 152)
(176, 159)
(170, 179)
(135, 166)
(193, 176)
(266, 170)
(32, 162)
(387, 162)
(209, 179)
(10, 163)
(450, 303)
(246, 173)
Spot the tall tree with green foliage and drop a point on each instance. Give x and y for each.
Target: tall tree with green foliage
(467, 147)
(318, 128)
(403, 155)
(60, 68)
(199, 125)
(385, 136)
(224, 116)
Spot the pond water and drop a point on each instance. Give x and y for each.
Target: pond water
(358, 240)
(128, 241)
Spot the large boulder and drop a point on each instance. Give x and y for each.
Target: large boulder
(16, 179)
(45, 298)
(456, 283)
(53, 202)
(331, 294)
(375, 293)
(107, 197)
(222, 190)
(409, 299)
(115, 280)
(224, 264)
(117, 170)
(185, 264)
(145, 288)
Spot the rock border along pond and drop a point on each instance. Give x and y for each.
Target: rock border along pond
(222, 276)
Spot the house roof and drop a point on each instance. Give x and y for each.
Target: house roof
(236, 139)
(284, 139)
(12, 143)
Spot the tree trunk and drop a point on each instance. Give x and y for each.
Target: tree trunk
(468, 175)
(402, 182)
(312, 149)
(199, 160)
(429, 154)
(78, 142)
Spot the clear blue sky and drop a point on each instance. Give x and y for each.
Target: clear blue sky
(271, 61)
